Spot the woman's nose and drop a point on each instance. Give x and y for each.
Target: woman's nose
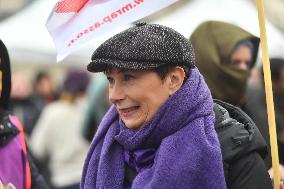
(243, 65)
(116, 93)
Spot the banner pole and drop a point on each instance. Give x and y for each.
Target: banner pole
(269, 95)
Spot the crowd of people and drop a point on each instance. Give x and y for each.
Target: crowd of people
(166, 111)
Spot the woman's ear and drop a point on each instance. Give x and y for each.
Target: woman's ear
(176, 78)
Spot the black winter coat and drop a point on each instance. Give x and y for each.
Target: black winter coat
(243, 148)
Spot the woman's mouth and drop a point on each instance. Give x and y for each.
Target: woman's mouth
(127, 112)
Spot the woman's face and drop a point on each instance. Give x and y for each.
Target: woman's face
(241, 58)
(137, 95)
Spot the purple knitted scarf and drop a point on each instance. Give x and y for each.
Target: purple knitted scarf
(188, 153)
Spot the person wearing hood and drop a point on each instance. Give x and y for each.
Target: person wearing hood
(225, 55)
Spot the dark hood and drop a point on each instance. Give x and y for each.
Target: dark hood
(238, 134)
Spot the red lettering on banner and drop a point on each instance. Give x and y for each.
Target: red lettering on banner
(107, 19)
(119, 11)
(97, 25)
(113, 15)
(126, 8)
(80, 35)
(71, 42)
(86, 31)
(92, 28)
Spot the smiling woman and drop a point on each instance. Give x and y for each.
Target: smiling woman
(162, 115)
(138, 95)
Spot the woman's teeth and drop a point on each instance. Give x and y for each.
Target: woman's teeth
(126, 110)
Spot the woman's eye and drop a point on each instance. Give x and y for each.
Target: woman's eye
(128, 77)
(110, 80)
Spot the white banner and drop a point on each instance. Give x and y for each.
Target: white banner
(74, 22)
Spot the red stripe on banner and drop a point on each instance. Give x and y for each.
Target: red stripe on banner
(67, 6)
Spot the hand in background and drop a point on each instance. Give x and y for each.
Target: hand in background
(281, 171)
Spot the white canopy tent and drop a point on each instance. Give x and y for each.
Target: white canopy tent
(29, 42)
(185, 16)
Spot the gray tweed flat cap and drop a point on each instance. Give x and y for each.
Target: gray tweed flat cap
(141, 47)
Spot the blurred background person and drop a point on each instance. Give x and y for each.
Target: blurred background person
(21, 91)
(256, 104)
(28, 98)
(43, 93)
(97, 107)
(44, 87)
(57, 134)
(225, 54)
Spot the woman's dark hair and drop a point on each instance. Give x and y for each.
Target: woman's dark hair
(164, 70)
(40, 76)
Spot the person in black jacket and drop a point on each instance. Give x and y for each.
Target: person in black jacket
(225, 55)
(243, 148)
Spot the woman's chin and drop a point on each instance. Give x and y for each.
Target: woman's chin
(132, 124)
(133, 119)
